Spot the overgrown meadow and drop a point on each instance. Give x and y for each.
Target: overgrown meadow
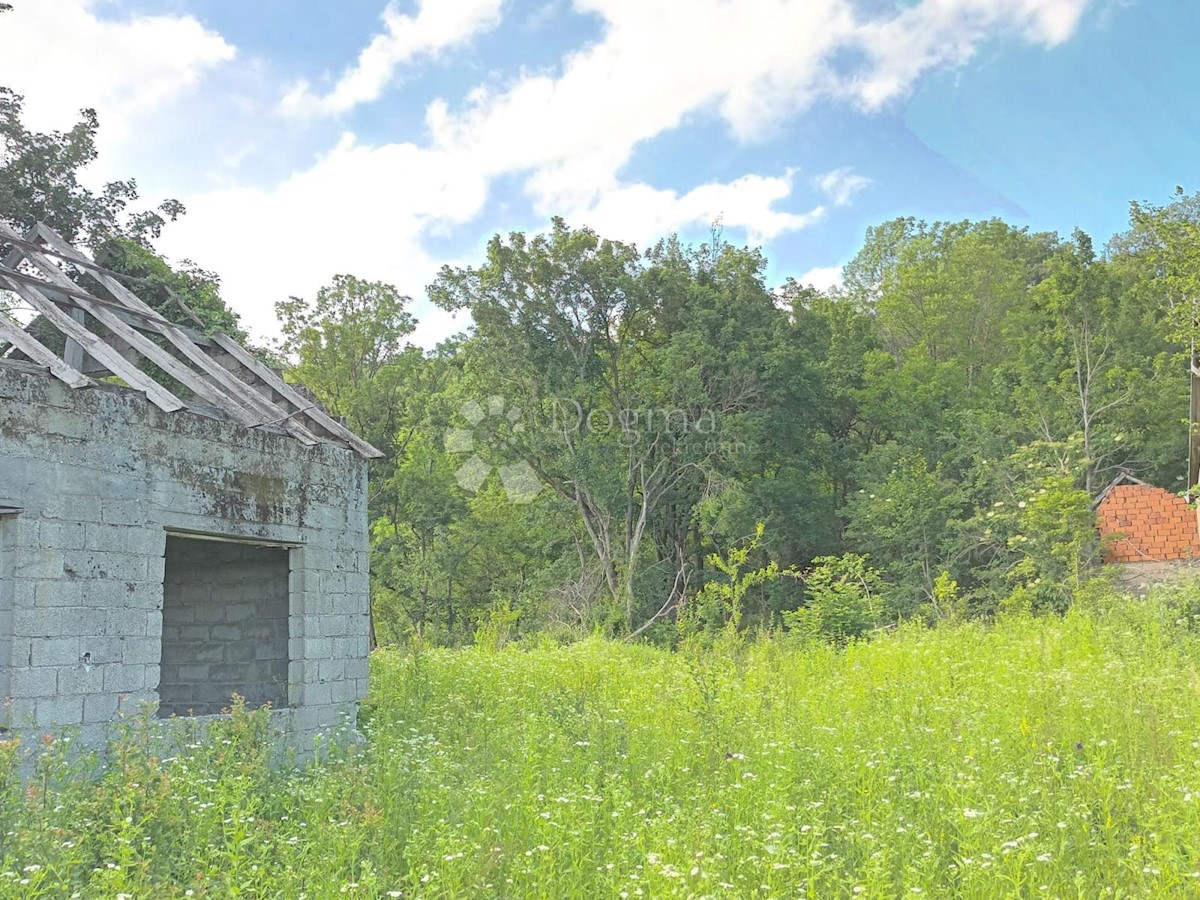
(1051, 756)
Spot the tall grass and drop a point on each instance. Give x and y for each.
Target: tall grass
(1055, 757)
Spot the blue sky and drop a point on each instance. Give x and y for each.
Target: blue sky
(386, 139)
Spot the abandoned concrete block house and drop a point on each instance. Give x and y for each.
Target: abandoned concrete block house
(177, 523)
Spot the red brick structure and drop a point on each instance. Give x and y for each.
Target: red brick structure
(1147, 524)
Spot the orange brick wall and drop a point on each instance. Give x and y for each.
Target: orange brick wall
(1152, 524)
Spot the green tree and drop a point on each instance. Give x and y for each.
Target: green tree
(350, 347)
(39, 182)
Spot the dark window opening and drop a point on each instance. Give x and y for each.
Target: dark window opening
(225, 626)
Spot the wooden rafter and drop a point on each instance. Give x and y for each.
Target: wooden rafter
(215, 368)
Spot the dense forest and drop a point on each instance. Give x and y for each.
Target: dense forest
(625, 436)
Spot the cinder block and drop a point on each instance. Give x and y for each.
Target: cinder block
(331, 715)
(61, 710)
(63, 651)
(58, 592)
(195, 673)
(123, 512)
(344, 691)
(125, 679)
(125, 622)
(331, 669)
(209, 611)
(99, 708)
(143, 595)
(37, 623)
(155, 569)
(241, 612)
(24, 592)
(306, 719)
(81, 680)
(178, 614)
(20, 712)
(243, 651)
(60, 534)
(141, 650)
(316, 648)
(137, 702)
(26, 682)
(81, 621)
(316, 694)
(44, 562)
(101, 650)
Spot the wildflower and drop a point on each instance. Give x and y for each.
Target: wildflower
(969, 813)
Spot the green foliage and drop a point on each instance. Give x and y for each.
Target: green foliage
(845, 599)
(720, 604)
(948, 412)
(1038, 540)
(169, 290)
(39, 182)
(349, 347)
(901, 520)
(497, 626)
(1055, 752)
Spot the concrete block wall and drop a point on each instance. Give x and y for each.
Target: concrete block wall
(225, 626)
(101, 477)
(8, 558)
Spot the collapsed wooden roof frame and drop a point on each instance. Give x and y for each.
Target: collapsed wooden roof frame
(216, 368)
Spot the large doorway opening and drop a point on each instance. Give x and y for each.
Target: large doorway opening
(225, 626)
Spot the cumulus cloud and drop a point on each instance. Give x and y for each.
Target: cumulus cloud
(564, 134)
(641, 213)
(932, 34)
(360, 209)
(755, 63)
(841, 185)
(437, 26)
(63, 57)
(822, 277)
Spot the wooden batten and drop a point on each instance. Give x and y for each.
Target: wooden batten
(214, 368)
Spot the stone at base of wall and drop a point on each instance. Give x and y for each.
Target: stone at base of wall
(296, 737)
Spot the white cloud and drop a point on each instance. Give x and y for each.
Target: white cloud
(63, 57)
(438, 25)
(755, 63)
(641, 213)
(937, 33)
(841, 185)
(360, 209)
(822, 277)
(567, 134)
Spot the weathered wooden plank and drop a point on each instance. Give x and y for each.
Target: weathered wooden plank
(104, 354)
(315, 413)
(182, 373)
(119, 292)
(240, 393)
(42, 355)
(73, 354)
(244, 391)
(148, 322)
